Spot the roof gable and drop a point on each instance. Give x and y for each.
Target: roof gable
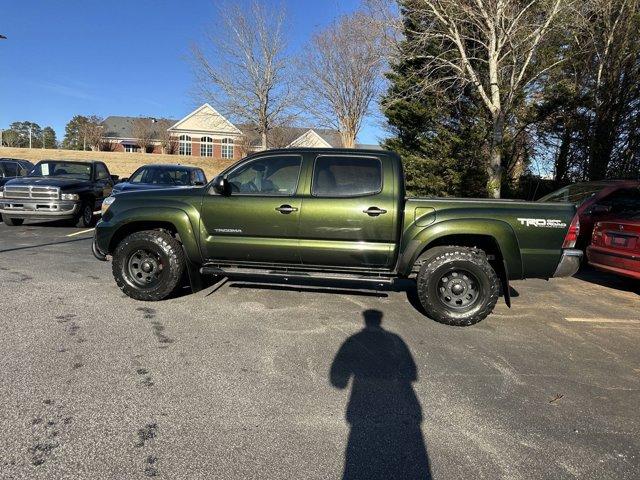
(205, 119)
(310, 138)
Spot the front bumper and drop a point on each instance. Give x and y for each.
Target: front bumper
(38, 209)
(569, 263)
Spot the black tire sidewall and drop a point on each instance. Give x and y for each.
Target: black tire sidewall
(457, 259)
(13, 222)
(170, 254)
(478, 274)
(81, 221)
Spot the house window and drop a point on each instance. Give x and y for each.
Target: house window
(184, 145)
(130, 148)
(206, 147)
(227, 148)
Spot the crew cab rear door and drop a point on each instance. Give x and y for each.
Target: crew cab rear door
(349, 212)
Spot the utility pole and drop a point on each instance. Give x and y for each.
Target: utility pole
(30, 136)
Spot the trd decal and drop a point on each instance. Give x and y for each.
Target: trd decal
(542, 222)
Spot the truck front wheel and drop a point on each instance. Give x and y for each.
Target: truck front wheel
(84, 217)
(148, 265)
(457, 286)
(12, 222)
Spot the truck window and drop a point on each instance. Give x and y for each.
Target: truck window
(623, 201)
(101, 172)
(276, 176)
(336, 176)
(8, 169)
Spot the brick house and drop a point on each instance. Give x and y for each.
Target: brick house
(206, 133)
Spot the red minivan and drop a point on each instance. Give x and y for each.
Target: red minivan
(615, 246)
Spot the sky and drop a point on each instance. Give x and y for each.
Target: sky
(88, 57)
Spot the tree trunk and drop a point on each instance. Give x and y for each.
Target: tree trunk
(348, 138)
(562, 161)
(494, 182)
(263, 140)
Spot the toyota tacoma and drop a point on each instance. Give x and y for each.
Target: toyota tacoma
(335, 214)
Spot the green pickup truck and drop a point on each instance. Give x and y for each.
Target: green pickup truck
(335, 214)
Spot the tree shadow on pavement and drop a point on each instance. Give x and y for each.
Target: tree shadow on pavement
(385, 416)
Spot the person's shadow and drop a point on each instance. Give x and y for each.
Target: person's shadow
(385, 441)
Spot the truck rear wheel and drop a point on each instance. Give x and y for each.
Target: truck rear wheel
(148, 265)
(458, 286)
(12, 222)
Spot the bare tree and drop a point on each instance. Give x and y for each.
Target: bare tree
(243, 67)
(143, 130)
(490, 46)
(341, 74)
(90, 132)
(168, 142)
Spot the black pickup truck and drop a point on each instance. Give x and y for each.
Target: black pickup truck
(57, 190)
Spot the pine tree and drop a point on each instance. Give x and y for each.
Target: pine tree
(439, 140)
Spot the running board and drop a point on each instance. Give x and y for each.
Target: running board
(287, 275)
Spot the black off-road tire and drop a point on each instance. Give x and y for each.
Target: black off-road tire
(85, 218)
(171, 257)
(12, 222)
(436, 273)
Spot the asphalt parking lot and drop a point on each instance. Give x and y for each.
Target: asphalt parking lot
(246, 380)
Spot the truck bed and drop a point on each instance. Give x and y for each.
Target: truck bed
(530, 233)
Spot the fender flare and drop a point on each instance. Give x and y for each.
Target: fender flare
(500, 231)
(175, 216)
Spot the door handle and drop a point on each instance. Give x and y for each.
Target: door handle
(286, 209)
(374, 211)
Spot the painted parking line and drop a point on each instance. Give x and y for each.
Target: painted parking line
(80, 232)
(602, 320)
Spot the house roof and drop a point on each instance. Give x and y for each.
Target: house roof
(122, 127)
(205, 118)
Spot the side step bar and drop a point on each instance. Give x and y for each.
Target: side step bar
(289, 275)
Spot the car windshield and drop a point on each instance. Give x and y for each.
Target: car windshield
(62, 169)
(162, 176)
(576, 194)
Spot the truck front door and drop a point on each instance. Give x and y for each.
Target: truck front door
(258, 221)
(349, 212)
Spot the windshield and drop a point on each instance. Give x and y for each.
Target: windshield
(62, 169)
(576, 194)
(163, 176)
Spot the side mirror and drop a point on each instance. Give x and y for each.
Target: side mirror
(115, 178)
(122, 180)
(221, 186)
(198, 183)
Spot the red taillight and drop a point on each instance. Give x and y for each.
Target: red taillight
(571, 237)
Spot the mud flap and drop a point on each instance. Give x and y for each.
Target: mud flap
(504, 279)
(193, 273)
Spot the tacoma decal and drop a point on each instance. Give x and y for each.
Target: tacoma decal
(542, 222)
